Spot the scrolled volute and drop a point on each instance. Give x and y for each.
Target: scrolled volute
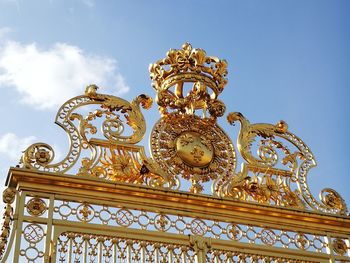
(333, 200)
(277, 174)
(80, 129)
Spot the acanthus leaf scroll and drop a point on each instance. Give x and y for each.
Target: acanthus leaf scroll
(115, 157)
(269, 177)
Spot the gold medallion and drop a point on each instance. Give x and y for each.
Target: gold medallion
(192, 147)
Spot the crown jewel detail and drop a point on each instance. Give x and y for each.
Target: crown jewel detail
(189, 65)
(189, 60)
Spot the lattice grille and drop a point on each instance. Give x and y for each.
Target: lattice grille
(221, 256)
(179, 224)
(78, 247)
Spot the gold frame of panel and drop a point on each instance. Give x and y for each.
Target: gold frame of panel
(52, 187)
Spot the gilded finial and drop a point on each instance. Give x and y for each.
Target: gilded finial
(90, 90)
(282, 126)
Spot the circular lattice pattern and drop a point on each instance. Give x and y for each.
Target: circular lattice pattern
(268, 237)
(31, 254)
(33, 233)
(124, 217)
(85, 212)
(195, 148)
(301, 241)
(234, 232)
(162, 222)
(198, 227)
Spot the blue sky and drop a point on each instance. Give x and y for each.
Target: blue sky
(287, 60)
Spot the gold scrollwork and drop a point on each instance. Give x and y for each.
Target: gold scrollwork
(40, 156)
(184, 143)
(115, 158)
(265, 179)
(332, 199)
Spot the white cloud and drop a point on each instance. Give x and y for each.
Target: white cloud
(12, 146)
(45, 79)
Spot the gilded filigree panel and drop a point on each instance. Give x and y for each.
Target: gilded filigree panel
(111, 249)
(189, 150)
(90, 207)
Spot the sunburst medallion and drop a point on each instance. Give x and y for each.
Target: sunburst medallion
(194, 148)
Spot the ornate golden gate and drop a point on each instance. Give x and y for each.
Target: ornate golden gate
(106, 201)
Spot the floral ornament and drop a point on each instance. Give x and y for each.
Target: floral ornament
(332, 199)
(216, 108)
(183, 59)
(8, 195)
(145, 101)
(252, 185)
(185, 139)
(85, 211)
(339, 246)
(42, 156)
(291, 198)
(219, 72)
(121, 168)
(36, 206)
(270, 188)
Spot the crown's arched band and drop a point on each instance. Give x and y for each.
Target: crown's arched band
(191, 78)
(189, 60)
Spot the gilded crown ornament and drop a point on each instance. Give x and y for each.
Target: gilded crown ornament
(189, 65)
(189, 150)
(183, 142)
